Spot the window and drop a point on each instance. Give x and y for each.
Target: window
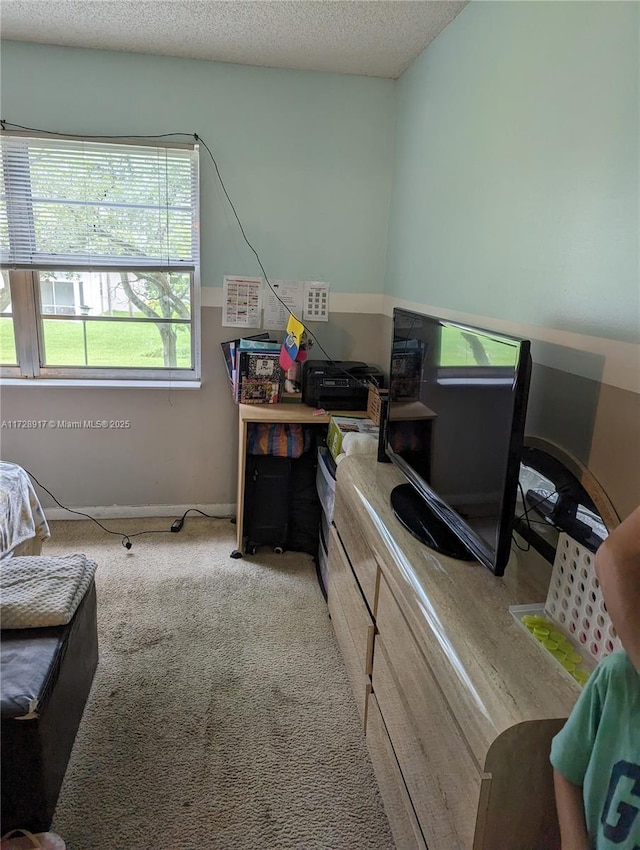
(99, 252)
(469, 356)
(466, 349)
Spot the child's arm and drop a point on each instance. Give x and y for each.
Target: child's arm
(617, 565)
(573, 829)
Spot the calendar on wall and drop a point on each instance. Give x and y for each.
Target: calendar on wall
(242, 301)
(252, 302)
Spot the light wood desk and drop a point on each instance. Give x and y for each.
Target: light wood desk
(272, 414)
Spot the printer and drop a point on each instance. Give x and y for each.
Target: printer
(338, 384)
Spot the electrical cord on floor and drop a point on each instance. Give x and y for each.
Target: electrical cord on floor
(177, 524)
(125, 538)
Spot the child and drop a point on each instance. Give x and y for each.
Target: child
(596, 756)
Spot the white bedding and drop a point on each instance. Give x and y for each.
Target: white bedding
(38, 591)
(21, 516)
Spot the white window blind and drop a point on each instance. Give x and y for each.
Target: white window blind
(72, 202)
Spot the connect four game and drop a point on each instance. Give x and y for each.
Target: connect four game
(573, 625)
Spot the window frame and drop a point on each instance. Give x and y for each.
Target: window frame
(28, 318)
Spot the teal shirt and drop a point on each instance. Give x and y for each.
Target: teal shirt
(599, 750)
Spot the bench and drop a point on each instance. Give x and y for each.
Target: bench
(45, 679)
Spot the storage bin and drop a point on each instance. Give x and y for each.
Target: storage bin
(324, 530)
(341, 425)
(323, 565)
(46, 677)
(326, 482)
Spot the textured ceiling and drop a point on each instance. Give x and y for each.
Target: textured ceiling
(378, 38)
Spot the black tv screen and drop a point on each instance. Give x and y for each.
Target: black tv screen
(455, 424)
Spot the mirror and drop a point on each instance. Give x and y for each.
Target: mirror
(558, 493)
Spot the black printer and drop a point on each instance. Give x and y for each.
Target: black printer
(338, 384)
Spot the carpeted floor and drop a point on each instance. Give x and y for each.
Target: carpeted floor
(220, 716)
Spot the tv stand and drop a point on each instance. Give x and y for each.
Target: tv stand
(425, 525)
(457, 702)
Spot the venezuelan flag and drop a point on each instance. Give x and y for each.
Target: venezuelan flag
(291, 344)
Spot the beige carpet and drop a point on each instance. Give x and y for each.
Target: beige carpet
(220, 716)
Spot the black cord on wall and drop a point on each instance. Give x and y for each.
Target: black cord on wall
(7, 125)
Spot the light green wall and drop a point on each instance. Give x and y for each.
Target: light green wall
(306, 157)
(516, 190)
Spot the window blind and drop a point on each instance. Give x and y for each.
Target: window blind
(73, 202)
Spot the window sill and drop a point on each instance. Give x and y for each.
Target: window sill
(103, 384)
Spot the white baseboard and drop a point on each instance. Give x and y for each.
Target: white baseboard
(140, 511)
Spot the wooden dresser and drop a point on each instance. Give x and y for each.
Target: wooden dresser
(458, 703)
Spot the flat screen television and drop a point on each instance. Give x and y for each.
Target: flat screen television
(454, 427)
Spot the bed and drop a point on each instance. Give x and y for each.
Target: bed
(23, 526)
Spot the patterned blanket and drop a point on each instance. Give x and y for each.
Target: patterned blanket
(38, 591)
(21, 515)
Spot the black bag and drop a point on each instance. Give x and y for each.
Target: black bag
(266, 502)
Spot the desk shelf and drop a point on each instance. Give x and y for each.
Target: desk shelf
(285, 414)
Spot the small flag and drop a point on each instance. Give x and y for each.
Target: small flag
(291, 344)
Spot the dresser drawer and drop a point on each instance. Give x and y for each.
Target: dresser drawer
(397, 804)
(360, 554)
(343, 587)
(441, 775)
(360, 683)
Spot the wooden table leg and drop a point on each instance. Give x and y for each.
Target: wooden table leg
(242, 463)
